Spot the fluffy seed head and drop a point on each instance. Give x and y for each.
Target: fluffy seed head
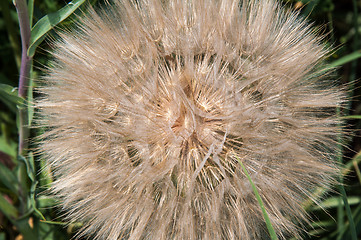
(148, 103)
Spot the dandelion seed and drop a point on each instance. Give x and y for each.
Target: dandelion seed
(149, 104)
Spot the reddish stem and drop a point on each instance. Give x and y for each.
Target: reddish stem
(25, 33)
(22, 9)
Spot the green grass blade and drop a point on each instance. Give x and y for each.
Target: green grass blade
(333, 202)
(45, 24)
(352, 117)
(346, 59)
(30, 165)
(347, 234)
(31, 11)
(9, 96)
(270, 228)
(348, 213)
(340, 218)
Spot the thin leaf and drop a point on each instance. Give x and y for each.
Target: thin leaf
(348, 213)
(346, 59)
(9, 96)
(271, 231)
(30, 170)
(352, 117)
(345, 233)
(31, 11)
(334, 201)
(22, 173)
(33, 201)
(45, 24)
(34, 183)
(340, 218)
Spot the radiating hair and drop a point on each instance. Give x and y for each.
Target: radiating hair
(149, 103)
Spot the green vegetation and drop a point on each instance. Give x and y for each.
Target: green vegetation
(26, 209)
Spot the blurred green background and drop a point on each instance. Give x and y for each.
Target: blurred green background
(26, 209)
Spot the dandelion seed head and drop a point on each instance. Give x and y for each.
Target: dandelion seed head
(149, 104)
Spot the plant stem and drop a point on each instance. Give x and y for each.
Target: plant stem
(25, 69)
(26, 61)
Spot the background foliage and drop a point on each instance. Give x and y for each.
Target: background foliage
(26, 209)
